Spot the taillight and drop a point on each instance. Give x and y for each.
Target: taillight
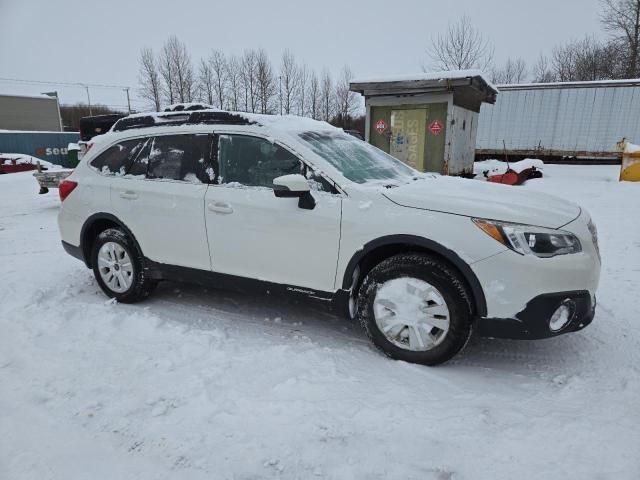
(65, 188)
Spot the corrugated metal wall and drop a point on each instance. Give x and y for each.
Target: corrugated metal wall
(561, 120)
(29, 113)
(49, 146)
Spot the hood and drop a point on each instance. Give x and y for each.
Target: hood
(473, 198)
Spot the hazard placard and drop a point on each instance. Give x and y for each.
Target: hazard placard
(381, 126)
(436, 127)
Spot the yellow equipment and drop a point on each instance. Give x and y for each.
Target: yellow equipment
(630, 170)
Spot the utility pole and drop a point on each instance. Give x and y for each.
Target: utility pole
(88, 99)
(128, 100)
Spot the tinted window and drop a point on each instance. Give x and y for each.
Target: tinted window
(116, 158)
(175, 157)
(254, 161)
(141, 160)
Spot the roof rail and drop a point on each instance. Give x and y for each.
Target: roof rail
(181, 118)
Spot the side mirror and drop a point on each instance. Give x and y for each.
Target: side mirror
(291, 186)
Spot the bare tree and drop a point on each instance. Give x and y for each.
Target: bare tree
(266, 85)
(563, 63)
(234, 80)
(248, 71)
(326, 96)
(167, 73)
(514, 71)
(586, 60)
(597, 61)
(149, 78)
(205, 82)
(218, 63)
(177, 71)
(345, 98)
(314, 96)
(303, 79)
(289, 78)
(462, 47)
(621, 18)
(542, 71)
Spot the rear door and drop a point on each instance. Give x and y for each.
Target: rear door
(161, 199)
(254, 234)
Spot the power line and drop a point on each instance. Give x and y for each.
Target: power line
(67, 84)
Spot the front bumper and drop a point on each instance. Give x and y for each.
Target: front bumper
(532, 323)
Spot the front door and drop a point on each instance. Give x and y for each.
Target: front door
(254, 234)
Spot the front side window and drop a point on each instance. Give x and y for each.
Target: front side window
(116, 159)
(356, 160)
(254, 161)
(175, 157)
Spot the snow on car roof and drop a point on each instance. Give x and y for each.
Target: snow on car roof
(285, 123)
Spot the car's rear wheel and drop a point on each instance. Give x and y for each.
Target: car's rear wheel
(414, 307)
(118, 266)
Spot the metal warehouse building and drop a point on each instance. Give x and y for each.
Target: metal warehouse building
(33, 113)
(32, 125)
(575, 120)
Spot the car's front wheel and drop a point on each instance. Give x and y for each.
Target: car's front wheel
(118, 267)
(414, 307)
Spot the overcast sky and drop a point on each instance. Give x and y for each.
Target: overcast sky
(99, 42)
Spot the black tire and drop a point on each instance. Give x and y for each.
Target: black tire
(440, 275)
(141, 286)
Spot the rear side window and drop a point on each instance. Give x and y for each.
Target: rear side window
(116, 159)
(175, 157)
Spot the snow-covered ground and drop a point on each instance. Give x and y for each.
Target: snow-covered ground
(197, 384)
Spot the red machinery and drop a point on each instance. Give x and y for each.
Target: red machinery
(511, 177)
(11, 165)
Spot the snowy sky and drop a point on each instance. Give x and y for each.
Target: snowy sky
(99, 42)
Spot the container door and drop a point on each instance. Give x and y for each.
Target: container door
(407, 136)
(380, 129)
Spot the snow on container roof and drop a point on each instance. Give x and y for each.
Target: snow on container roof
(39, 97)
(432, 82)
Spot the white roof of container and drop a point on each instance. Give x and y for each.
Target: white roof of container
(429, 76)
(632, 82)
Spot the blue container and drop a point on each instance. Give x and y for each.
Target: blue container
(49, 146)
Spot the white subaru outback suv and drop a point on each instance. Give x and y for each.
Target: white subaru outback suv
(291, 205)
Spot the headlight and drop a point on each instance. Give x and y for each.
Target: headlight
(530, 240)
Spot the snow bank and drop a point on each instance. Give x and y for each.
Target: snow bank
(631, 148)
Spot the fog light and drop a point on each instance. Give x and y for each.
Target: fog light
(562, 316)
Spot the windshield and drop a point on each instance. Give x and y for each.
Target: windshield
(358, 161)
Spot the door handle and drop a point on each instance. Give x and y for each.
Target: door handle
(220, 207)
(129, 195)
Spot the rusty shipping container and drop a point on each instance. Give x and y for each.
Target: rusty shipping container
(574, 120)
